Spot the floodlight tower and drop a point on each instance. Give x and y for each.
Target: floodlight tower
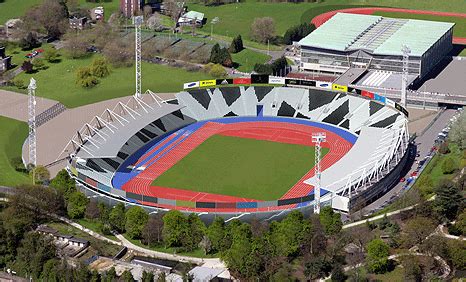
(317, 139)
(137, 22)
(404, 80)
(32, 121)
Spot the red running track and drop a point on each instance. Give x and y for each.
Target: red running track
(271, 131)
(322, 18)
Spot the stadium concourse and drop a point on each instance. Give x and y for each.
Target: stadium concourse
(128, 149)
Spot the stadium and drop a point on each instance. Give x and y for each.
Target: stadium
(243, 150)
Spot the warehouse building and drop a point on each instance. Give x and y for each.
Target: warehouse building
(370, 48)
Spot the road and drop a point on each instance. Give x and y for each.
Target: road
(424, 144)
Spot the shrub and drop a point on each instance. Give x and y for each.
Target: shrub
(19, 83)
(236, 45)
(38, 63)
(449, 166)
(100, 68)
(444, 149)
(218, 71)
(51, 55)
(85, 78)
(297, 32)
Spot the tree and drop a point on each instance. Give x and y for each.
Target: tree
(377, 256)
(29, 42)
(411, 268)
(263, 29)
(110, 275)
(100, 68)
(216, 234)
(136, 219)
(316, 267)
(77, 205)
(38, 63)
(205, 244)
(338, 274)
(41, 174)
(19, 83)
(330, 220)
(155, 22)
(117, 217)
(27, 67)
(127, 276)
(297, 32)
(236, 45)
(119, 52)
(417, 229)
(220, 56)
(34, 251)
(147, 276)
(457, 132)
(444, 148)
(85, 77)
(449, 165)
(92, 210)
(287, 236)
(95, 276)
(448, 200)
(218, 71)
(457, 253)
(175, 228)
(50, 16)
(196, 232)
(49, 270)
(63, 183)
(152, 232)
(75, 46)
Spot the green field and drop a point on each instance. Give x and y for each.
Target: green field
(240, 167)
(459, 30)
(58, 82)
(12, 135)
(247, 58)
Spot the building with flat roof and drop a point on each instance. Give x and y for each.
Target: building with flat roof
(374, 43)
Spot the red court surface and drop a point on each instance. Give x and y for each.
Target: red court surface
(271, 131)
(322, 18)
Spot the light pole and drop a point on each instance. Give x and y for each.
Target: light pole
(317, 139)
(212, 22)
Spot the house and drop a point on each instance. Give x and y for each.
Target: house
(5, 61)
(68, 243)
(78, 23)
(191, 17)
(78, 242)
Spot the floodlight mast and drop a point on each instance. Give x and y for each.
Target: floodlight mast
(404, 80)
(32, 122)
(137, 22)
(317, 139)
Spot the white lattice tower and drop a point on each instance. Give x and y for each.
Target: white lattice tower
(404, 80)
(32, 122)
(317, 139)
(137, 22)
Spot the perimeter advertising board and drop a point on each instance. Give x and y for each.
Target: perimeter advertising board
(189, 85)
(324, 84)
(276, 80)
(208, 83)
(341, 88)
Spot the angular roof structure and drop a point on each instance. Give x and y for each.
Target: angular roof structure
(376, 34)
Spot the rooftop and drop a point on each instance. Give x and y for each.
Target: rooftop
(376, 34)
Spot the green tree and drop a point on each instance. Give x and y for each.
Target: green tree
(147, 276)
(152, 232)
(19, 83)
(448, 200)
(411, 268)
(457, 253)
(110, 275)
(77, 205)
(377, 256)
(41, 174)
(287, 236)
(330, 220)
(220, 56)
(64, 183)
(127, 276)
(100, 68)
(175, 228)
(417, 229)
(218, 71)
(29, 42)
(216, 233)
(196, 232)
(236, 45)
(136, 219)
(34, 251)
(38, 63)
(338, 274)
(95, 276)
(49, 270)
(297, 32)
(449, 165)
(85, 77)
(117, 217)
(457, 132)
(51, 55)
(317, 267)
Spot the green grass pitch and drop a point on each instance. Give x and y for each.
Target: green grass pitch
(240, 167)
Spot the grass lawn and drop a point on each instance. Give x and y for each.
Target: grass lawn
(395, 275)
(58, 82)
(459, 30)
(95, 226)
(247, 58)
(103, 248)
(248, 168)
(10, 9)
(12, 135)
(198, 253)
(110, 6)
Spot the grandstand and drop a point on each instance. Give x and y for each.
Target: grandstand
(373, 43)
(118, 155)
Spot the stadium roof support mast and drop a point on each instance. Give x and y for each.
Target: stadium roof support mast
(137, 22)
(32, 122)
(317, 139)
(404, 80)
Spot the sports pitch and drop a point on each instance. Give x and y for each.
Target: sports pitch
(240, 167)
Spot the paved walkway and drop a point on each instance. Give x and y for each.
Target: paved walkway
(322, 18)
(15, 105)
